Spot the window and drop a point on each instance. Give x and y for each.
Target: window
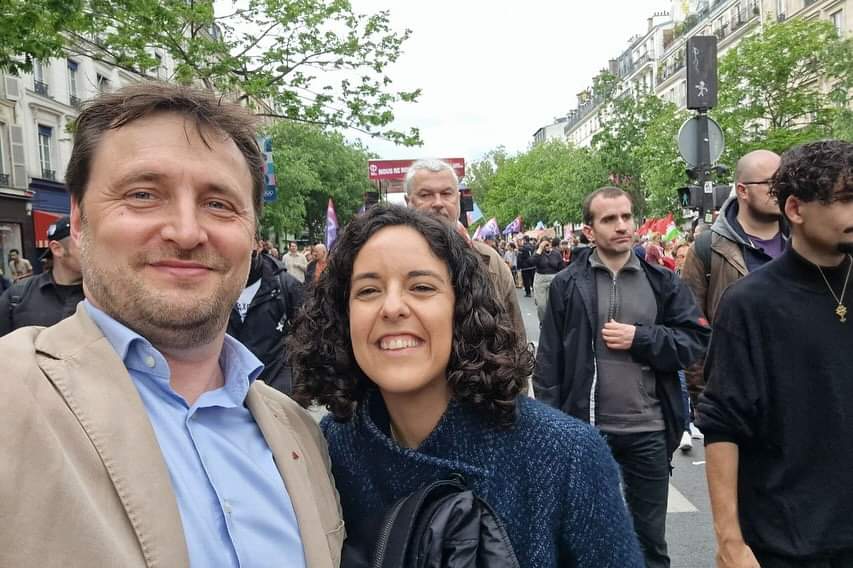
(39, 82)
(45, 143)
(4, 175)
(73, 96)
(159, 59)
(837, 19)
(103, 83)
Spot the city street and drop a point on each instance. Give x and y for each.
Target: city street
(689, 528)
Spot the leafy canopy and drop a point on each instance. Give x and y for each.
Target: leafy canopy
(315, 61)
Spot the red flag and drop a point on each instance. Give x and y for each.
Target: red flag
(661, 225)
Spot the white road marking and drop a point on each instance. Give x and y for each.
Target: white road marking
(699, 463)
(678, 503)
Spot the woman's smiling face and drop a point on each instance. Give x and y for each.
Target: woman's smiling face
(401, 308)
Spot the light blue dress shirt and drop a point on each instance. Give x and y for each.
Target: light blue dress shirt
(233, 503)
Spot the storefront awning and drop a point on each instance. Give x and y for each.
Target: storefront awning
(42, 220)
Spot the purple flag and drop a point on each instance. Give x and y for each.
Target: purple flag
(331, 225)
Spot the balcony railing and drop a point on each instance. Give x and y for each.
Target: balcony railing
(74, 101)
(41, 88)
(4, 180)
(48, 174)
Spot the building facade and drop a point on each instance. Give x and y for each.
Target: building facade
(655, 62)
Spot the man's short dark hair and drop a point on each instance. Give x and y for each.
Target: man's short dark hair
(816, 171)
(608, 192)
(140, 100)
(16, 251)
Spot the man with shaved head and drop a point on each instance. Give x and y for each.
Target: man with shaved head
(748, 233)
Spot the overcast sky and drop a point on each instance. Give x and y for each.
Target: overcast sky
(493, 72)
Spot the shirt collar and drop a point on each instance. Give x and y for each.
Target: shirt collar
(239, 366)
(633, 263)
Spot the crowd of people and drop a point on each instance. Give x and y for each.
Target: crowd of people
(158, 378)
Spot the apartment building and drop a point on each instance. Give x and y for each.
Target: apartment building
(655, 62)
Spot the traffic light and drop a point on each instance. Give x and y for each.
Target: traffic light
(701, 72)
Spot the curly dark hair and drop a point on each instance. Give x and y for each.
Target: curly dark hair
(816, 171)
(489, 364)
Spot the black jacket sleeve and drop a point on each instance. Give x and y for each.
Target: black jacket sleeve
(548, 376)
(729, 409)
(5, 314)
(680, 339)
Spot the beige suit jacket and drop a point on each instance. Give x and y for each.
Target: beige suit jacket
(82, 479)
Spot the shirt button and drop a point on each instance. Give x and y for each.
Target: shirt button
(226, 506)
(150, 362)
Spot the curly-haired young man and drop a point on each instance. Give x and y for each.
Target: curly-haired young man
(779, 380)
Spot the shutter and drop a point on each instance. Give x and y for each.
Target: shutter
(19, 165)
(13, 88)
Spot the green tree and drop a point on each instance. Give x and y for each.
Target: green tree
(637, 147)
(312, 165)
(315, 61)
(548, 183)
(785, 86)
(480, 174)
(661, 168)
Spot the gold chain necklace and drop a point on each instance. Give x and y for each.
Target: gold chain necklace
(840, 309)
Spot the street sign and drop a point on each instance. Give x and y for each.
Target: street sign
(396, 169)
(270, 194)
(688, 134)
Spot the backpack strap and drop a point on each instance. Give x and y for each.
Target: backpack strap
(702, 248)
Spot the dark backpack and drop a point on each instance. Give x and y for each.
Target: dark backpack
(702, 249)
(443, 525)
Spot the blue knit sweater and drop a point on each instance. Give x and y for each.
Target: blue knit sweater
(550, 478)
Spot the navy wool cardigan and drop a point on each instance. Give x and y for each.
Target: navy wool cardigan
(550, 478)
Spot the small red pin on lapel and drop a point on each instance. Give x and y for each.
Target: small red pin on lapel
(294, 455)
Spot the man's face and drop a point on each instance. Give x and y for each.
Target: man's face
(680, 256)
(435, 193)
(13, 256)
(612, 227)
(67, 253)
(320, 252)
(166, 229)
(293, 249)
(828, 228)
(754, 189)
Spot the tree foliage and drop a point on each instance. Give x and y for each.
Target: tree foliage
(545, 183)
(314, 164)
(315, 61)
(637, 145)
(788, 85)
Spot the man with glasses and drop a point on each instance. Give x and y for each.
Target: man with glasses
(748, 233)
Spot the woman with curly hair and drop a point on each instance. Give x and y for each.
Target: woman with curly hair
(406, 345)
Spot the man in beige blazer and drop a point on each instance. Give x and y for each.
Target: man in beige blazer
(134, 432)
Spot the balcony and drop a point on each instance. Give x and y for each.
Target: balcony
(48, 174)
(582, 112)
(40, 87)
(74, 101)
(4, 180)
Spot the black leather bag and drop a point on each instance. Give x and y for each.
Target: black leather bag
(443, 525)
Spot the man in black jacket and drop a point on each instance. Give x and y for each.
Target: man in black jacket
(51, 296)
(776, 410)
(616, 332)
(525, 258)
(263, 314)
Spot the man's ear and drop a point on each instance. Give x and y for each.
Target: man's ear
(56, 249)
(76, 221)
(588, 233)
(793, 210)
